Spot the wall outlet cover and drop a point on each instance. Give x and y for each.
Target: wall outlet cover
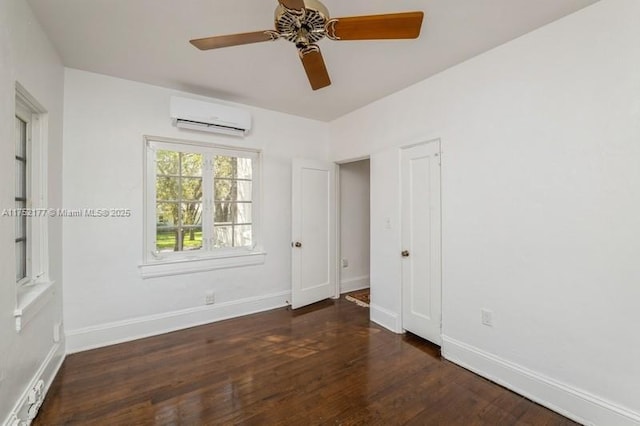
(487, 317)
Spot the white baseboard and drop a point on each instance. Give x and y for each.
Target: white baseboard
(387, 319)
(573, 403)
(46, 372)
(152, 325)
(354, 284)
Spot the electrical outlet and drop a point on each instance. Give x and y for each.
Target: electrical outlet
(487, 317)
(209, 298)
(345, 263)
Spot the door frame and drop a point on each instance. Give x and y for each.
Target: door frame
(407, 146)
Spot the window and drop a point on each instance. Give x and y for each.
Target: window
(30, 190)
(22, 167)
(201, 202)
(31, 224)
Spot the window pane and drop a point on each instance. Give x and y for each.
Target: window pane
(167, 188)
(166, 238)
(243, 213)
(233, 167)
(232, 190)
(224, 167)
(191, 188)
(223, 236)
(224, 190)
(21, 190)
(167, 214)
(21, 260)
(192, 239)
(21, 226)
(167, 162)
(192, 213)
(223, 212)
(242, 235)
(191, 164)
(243, 190)
(21, 138)
(169, 239)
(244, 168)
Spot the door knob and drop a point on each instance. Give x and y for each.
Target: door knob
(298, 244)
(405, 253)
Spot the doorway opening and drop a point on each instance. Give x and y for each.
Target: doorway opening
(354, 226)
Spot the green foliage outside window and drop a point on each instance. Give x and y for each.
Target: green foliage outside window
(179, 201)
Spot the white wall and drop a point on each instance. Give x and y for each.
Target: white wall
(541, 194)
(354, 225)
(106, 300)
(27, 56)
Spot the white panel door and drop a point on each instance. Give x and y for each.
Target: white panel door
(421, 247)
(313, 232)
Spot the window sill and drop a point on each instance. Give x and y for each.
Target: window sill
(163, 268)
(31, 299)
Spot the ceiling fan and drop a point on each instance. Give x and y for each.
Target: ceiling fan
(305, 22)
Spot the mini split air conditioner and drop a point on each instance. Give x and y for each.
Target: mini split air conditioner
(208, 117)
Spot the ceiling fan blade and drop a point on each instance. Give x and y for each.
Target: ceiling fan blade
(233, 39)
(376, 27)
(292, 4)
(314, 66)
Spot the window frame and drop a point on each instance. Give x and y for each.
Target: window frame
(37, 262)
(36, 290)
(208, 258)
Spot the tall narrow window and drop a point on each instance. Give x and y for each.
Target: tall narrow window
(21, 198)
(30, 192)
(29, 212)
(203, 198)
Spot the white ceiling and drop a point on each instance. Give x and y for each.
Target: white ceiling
(147, 41)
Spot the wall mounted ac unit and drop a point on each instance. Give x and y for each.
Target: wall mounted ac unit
(208, 117)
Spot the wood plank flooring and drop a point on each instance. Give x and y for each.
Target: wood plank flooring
(322, 365)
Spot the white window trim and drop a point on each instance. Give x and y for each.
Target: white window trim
(166, 264)
(31, 299)
(35, 292)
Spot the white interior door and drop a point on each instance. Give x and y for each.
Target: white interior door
(421, 248)
(313, 232)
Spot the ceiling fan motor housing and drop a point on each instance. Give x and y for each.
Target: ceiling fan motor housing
(303, 28)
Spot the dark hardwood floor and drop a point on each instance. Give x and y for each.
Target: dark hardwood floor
(325, 364)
